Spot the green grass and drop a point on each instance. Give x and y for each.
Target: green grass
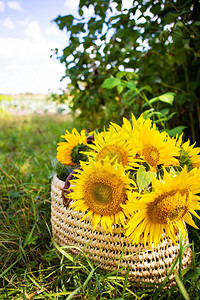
(31, 267)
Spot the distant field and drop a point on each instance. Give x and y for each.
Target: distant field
(25, 104)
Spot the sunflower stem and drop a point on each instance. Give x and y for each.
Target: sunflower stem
(180, 253)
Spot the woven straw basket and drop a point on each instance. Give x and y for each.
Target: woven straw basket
(111, 251)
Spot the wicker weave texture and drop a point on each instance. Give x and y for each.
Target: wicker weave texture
(106, 249)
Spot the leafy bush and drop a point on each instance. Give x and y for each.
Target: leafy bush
(158, 40)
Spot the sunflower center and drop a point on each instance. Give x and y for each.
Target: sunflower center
(76, 155)
(151, 155)
(112, 151)
(169, 207)
(104, 192)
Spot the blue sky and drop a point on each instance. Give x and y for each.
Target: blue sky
(27, 35)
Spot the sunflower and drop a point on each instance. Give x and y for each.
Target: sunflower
(113, 146)
(189, 155)
(154, 148)
(173, 201)
(69, 152)
(100, 189)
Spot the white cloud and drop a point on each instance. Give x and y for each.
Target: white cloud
(7, 23)
(33, 31)
(2, 6)
(18, 50)
(72, 8)
(15, 5)
(23, 22)
(35, 78)
(52, 30)
(26, 64)
(71, 5)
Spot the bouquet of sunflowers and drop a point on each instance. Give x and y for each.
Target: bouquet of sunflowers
(134, 177)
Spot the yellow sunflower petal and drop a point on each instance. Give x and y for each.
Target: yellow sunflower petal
(103, 223)
(95, 220)
(194, 213)
(65, 149)
(137, 233)
(146, 233)
(78, 203)
(89, 214)
(108, 223)
(158, 234)
(171, 234)
(113, 145)
(182, 228)
(188, 219)
(101, 189)
(121, 218)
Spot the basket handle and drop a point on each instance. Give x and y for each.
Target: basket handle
(90, 139)
(66, 189)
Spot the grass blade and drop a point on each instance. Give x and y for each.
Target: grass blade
(181, 287)
(82, 286)
(63, 252)
(125, 281)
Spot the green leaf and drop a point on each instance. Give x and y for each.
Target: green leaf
(177, 37)
(155, 9)
(177, 130)
(180, 57)
(131, 85)
(121, 74)
(127, 75)
(144, 178)
(167, 98)
(165, 118)
(120, 88)
(80, 11)
(171, 17)
(75, 29)
(65, 21)
(146, 88)
(164, 111)
(179, 23)
(61, 170)
(110, 83)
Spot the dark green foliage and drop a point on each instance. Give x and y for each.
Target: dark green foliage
(77, 154)
(129, 91)
(162, 48)
(61, 170)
